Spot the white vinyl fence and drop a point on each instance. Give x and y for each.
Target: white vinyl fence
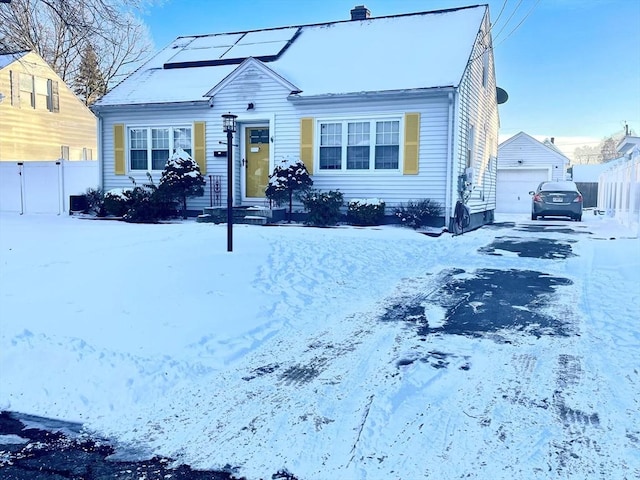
(619, 190)
(44, 187)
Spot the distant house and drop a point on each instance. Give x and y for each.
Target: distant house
(41, 119)
(524, 162)
(45, 133)
(399, 107)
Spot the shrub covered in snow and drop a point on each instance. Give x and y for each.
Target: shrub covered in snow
(149, 203)
(95, 202)
(369, 211)
(416, 214)
(181, 179)
(117, 201)
(323, 207)
(288, 178)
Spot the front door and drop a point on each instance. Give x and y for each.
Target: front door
(256, 161)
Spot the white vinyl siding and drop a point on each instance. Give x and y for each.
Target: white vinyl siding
(273, 107)
(477, 127)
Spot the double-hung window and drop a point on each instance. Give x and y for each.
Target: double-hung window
(359, 145)
(150, 147)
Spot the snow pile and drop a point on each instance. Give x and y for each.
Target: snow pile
(278, 356)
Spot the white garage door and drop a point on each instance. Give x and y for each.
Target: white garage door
(513, 187)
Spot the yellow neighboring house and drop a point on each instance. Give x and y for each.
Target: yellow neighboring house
(41, 119)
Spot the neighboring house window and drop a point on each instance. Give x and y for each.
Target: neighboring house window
(27, 89)
(53, 96)
(150, 147)
(359, 145)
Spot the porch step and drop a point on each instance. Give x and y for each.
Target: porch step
(254, 220)
(219, 215)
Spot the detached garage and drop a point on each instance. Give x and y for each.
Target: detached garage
(524, 162)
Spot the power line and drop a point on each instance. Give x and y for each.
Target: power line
(521, 21)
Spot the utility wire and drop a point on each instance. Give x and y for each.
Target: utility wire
(504, 4)
(521, 22)
(508, 20)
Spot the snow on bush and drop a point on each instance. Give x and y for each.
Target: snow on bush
(323, 207)
(288, 177)
(367, 211)
(418, 213)
(181, 178)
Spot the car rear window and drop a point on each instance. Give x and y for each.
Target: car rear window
(559, 187)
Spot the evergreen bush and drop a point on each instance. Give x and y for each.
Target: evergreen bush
(365, 212)
(416, 214)
(181, 179)
(117, 202)
(323, 207)
(150, 204)
(95, 202)
(289, 178)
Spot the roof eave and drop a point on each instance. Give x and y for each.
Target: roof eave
(96, 108)
(383, 94)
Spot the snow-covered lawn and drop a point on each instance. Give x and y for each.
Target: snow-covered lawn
(278, 356)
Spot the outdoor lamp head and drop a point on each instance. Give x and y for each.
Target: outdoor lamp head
(229, 122)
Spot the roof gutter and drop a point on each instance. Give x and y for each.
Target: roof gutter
(193, 103)
(379, 95)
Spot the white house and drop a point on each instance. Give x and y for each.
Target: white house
(400, 108)
(524, 162)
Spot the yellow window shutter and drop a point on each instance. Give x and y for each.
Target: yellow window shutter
(200, 149)
(118, 148)
(306, 143)
(411, 143)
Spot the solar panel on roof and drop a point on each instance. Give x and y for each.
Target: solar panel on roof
(234, 48)
(262, 36)
(255, 50)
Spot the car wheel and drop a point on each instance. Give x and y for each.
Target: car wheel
(578, 218)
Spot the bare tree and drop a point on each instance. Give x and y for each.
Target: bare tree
(61, 31)
(603, 152)
(608, 149)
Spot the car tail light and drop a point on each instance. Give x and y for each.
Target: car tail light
(537, 198)
(578, 198)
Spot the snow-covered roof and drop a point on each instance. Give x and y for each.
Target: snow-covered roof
(400, 52)
(627, 143)
(8, 58)
(547, 144)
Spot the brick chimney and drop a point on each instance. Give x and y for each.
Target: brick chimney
(360, 12)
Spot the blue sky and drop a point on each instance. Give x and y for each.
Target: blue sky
(571, 67)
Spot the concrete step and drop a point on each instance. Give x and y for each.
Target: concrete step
(254, 220)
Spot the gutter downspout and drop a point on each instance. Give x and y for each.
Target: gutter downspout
(450, 136)
(100, 156)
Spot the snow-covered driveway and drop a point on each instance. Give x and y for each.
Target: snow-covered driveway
(507, 352)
